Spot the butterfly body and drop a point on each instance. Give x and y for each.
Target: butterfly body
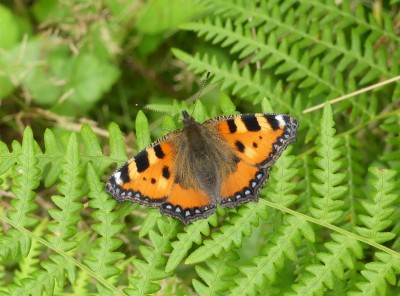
(202, 159)
(188, 172)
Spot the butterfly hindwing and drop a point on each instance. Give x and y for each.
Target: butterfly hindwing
(187, 204)
(147, 178)
(243, 184)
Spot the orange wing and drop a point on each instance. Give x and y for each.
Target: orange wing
(187, 204)
(147, 178)
(258, 140)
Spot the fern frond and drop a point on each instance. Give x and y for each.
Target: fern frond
(26, 179)
(227, 106)
(63, 229)
(377, 274)
(281, 246)
(44, 280)
(193, 234)
(82, 284)
(30, 263)
(67, 216)
(151, 271)
(327, 205)
(53, 156)
(347, 17)
(251, 87)
(7, 159)
(280, 187)
(216, 276)
(305, 184)
(14, 243)
(200, 113)
(231, 234)
(117, 144)
(287, 22)
(391, 126)
(354, 171)
(331, 13)
(379, 206)
(149, 222)
(342, 253)
(267, 49)
(364, 108)
(103, 255)
(142, 131)
(306, 256)
(319, 61)
(93, 151)
(280, 190)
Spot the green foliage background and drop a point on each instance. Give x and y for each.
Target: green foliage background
(327, 222)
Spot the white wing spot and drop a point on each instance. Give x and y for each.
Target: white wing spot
(117, 177)
(281, 120)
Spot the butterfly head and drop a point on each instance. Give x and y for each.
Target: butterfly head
(187, 119)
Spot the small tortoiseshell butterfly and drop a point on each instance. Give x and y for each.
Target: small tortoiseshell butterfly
(224, 160)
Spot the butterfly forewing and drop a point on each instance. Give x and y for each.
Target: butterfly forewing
(258, 140)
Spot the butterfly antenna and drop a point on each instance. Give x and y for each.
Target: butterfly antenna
(201, 90)
(154, 110)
